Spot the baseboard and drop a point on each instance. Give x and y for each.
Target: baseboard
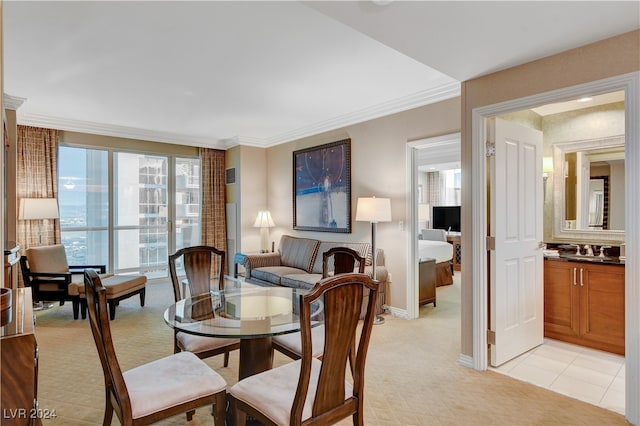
(397, 312)
(465, 361)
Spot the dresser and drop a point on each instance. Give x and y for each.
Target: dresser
(19, 376)
(427, 281)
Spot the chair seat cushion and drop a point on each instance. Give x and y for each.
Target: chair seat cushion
(170, 381)
(303, 281)
(272, 274)
(272, 392)
(293, 341)
(115, 285)
(197, 344)
(77, 283)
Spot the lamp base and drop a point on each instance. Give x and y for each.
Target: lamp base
(42, 306)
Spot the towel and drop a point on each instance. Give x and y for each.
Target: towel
(550, 253)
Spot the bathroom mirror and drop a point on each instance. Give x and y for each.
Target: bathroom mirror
(588, 194)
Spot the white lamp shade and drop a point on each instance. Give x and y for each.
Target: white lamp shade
(424, 211)
(264, 220)
(38, 208)
(547, 164)
(372, 209)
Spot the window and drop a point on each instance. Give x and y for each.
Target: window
(133, 234)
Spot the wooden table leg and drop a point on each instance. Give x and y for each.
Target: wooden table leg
(256, 356)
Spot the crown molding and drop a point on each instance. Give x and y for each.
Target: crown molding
(103, 129)
(426, 97)
(415, 100)
(12, 102)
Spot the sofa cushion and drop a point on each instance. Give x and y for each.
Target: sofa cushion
(364, 249)
(298, 252)
(304, 281)
(272, 274)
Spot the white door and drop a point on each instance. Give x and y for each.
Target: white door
(516, 287)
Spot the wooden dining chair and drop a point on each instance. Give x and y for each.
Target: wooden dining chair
(198, 263)
(310, 391)
(337, 260)
(163, 388)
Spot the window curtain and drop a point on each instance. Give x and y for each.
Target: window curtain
(37, 177)
(214, 223)
(434, 184)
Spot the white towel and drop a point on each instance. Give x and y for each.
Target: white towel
(550, 253)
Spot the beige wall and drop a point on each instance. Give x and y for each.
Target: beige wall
(607, 58)
(378, 167)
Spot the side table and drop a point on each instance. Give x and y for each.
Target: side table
(427, 281)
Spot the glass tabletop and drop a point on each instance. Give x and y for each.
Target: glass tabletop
(241, 312)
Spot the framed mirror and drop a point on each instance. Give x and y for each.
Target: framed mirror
(588, 194)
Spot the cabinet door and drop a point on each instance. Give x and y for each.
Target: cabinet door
(561, 299)
(602, 306)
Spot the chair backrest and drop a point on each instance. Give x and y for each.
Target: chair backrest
(47, 259)
(344, 261)
(434, 234)
(114, 383)
(199, 263)
(342, 295)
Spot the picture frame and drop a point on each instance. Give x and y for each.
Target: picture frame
(322, 188)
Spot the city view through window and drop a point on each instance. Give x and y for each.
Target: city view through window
(132, 232)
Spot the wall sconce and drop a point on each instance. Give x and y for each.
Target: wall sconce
(264, 222)
(547, 169)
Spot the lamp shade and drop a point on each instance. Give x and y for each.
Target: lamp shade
(38, 208)
(547, 164)
(372, 209)
(424, 211)
(264, 220)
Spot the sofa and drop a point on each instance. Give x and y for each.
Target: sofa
(298, 264)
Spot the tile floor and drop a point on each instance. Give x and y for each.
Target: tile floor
(586, 374)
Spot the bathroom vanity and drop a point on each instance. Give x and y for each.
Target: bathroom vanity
(584, 302)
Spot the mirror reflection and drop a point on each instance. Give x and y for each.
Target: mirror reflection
(594, 186)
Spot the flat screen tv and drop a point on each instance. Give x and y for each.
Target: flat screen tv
(446, 217)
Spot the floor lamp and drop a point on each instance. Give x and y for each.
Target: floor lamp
(374, 210)
(39, 209)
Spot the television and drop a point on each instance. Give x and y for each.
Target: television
(446, 217)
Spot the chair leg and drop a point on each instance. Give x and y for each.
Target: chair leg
(83, 308)
(220, 409)
(190, 414)
(112, 309)
(142, 297)
(239, 416)
(226, 359)
(75, 303)
(108, 411)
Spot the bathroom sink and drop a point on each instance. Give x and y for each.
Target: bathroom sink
(587, 258)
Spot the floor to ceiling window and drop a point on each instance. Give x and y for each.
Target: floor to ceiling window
(129, 215)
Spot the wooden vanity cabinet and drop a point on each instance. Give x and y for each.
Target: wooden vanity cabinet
(584, 304)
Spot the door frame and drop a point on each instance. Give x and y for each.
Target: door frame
(412, 245)
(630, 83)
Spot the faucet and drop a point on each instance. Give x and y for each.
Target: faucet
(602, 250)
(588, 250)
(577, 246)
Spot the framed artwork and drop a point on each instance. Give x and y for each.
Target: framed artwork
(322, 188)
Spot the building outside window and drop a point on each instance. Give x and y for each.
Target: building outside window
(133, 233)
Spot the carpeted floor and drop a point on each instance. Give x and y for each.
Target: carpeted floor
(412, 376)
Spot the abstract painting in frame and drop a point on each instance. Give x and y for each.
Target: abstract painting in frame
(322, 188)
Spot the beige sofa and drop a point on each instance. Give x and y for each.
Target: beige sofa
(298, 263)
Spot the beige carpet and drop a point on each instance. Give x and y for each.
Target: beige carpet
(412, 375)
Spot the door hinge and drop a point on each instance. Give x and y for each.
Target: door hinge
(491, 243)
(490, 149)
(491, 337)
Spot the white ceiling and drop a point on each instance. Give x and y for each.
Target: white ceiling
(261, 73)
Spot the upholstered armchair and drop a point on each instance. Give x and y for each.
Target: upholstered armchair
(46, 271)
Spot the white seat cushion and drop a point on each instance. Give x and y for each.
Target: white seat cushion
(170, 381)
(197, 344)
(293, 341)
(272, 391)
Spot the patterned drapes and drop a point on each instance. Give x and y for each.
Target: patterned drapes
(214, 225)
(434, 188)
(37, 177)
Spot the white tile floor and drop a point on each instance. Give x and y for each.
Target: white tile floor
(586, 374)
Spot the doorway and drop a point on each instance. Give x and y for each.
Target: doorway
(630, 85)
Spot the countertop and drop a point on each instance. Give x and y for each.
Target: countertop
(590, 259)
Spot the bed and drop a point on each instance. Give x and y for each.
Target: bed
(442, 252)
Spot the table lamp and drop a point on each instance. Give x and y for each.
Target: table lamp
(264, 222)
(39, 209)
(374, 210)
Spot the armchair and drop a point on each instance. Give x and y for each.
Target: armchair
(46, 271)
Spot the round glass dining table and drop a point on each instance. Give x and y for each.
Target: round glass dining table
(250, 313)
